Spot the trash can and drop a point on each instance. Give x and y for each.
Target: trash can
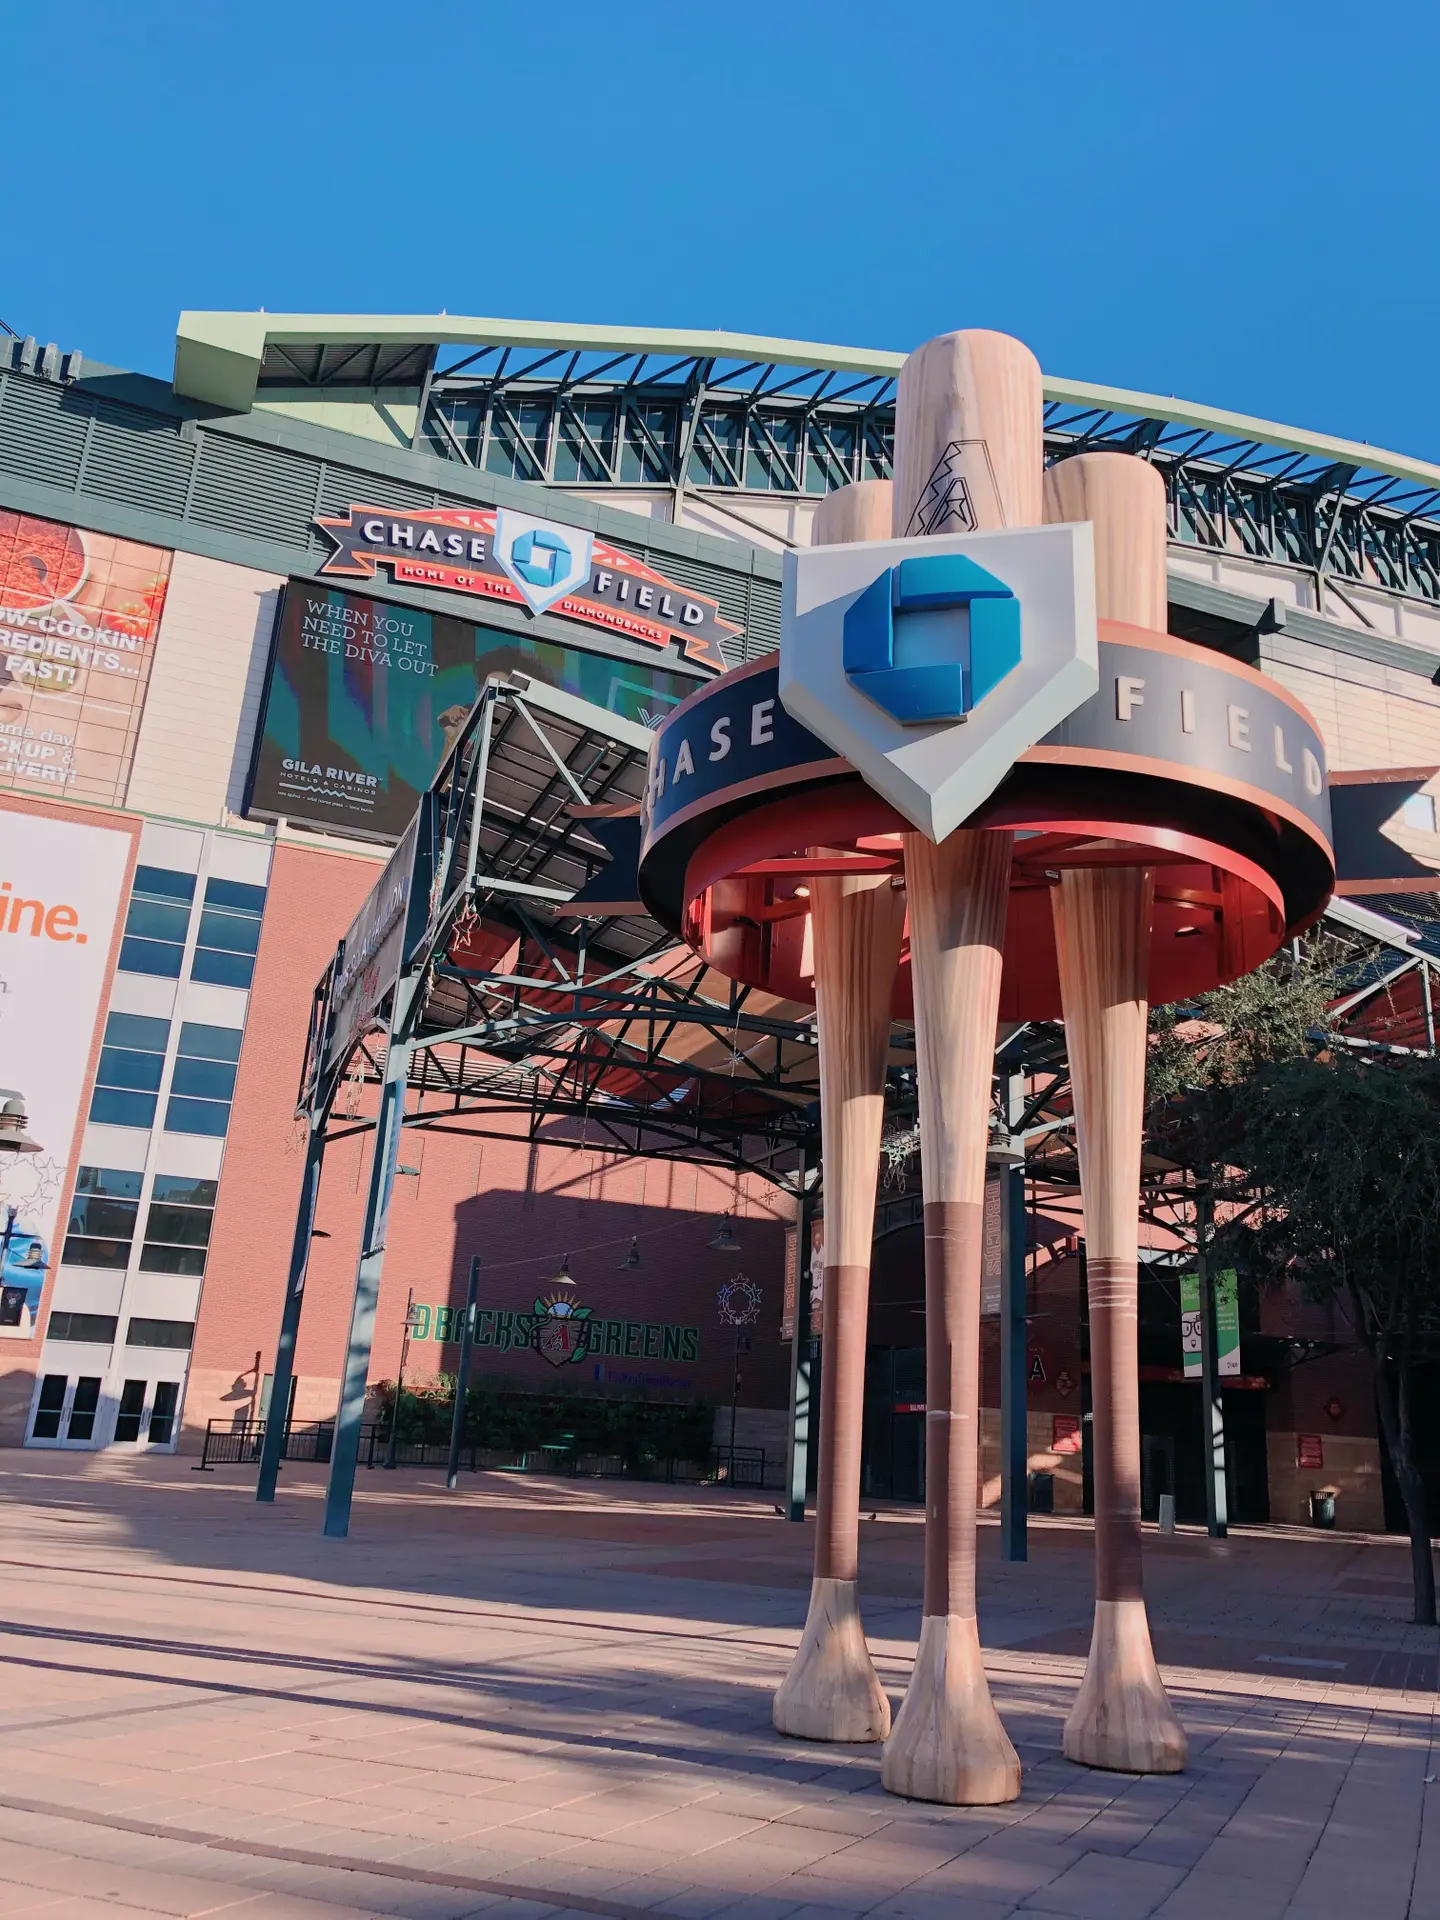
(1322, 1509)
(1042, 1492)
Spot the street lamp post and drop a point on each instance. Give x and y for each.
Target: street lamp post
(462, 1376)
(400, 1380)
(739, 1301)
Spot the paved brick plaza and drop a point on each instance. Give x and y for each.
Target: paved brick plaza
(539, 1697)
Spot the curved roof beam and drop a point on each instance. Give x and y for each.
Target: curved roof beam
(218, 355)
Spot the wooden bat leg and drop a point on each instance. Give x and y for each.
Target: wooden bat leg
(1122, 1718)
(831, 1691)
(948, 1744)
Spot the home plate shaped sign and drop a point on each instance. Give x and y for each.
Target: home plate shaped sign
(932, 665)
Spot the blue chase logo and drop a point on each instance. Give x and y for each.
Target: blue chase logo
(545, 561)
(931, 637)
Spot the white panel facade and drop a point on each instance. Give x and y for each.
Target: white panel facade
(87, 1290)
(196, 1155)
(215, 1006)
(205, 690)
(123, 1148)
(247, 860)
(143, 993)
(162, 1296)
(173, 847)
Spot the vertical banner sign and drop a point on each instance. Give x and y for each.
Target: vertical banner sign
(60, 886)
(1227, 1322)
(1190, 1323)
(992, 1268)
(374, 949)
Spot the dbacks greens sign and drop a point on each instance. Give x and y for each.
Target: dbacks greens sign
(499, 554)
(563, 1332)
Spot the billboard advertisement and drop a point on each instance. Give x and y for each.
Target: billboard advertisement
(79, 613)
(60, 891)
(362, 696)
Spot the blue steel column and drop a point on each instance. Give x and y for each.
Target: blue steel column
(272, 1447)
(345, 1452)
(404, 1009)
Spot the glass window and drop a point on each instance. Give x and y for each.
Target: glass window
(204, 1080)
(95, 1329)
(229, 934)
(198, 1116)
(177, 1228)
(199, 1042)
(220, 969)
(156, 923)
(81, 1425)
(163, 883)
(101, 1226)
(1418, 811)
(49, 1406)
(162, 1414)
(179, 1190)
(160, 1333)
(132, 1405)
(131, 1063)
(235, 893)
(236, 932)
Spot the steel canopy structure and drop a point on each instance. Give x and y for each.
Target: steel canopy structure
(504, 987)
(726, 416)
(527, 993)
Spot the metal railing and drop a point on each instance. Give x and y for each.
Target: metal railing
(238, 1443)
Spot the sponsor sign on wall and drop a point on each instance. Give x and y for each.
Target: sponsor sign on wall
(501, 554)
(60, 889)
(373, 950)
(363, 697)
(563, 1332)
(79, 613)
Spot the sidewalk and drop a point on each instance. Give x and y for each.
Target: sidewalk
(538, 1698)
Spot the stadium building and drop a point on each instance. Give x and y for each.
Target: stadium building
(243, 616)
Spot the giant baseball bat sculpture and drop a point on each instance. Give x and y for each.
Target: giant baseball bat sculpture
(1122, 1718)
(968, 457)
(831, 1691)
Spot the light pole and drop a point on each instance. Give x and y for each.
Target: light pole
(739, 1301)
(400, 1380)
(462, 1376)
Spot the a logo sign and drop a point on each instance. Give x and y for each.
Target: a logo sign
(927, 640)
(501, 554)
(560, 1332)
(545, 562)
(931, 665)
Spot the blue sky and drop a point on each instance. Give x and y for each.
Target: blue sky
(1238, 204)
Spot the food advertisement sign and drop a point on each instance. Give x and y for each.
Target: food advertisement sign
(363, 698)
(79, 613)
(60, 889)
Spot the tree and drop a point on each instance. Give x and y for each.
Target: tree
(1202, 1056)
(1342, 1156)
